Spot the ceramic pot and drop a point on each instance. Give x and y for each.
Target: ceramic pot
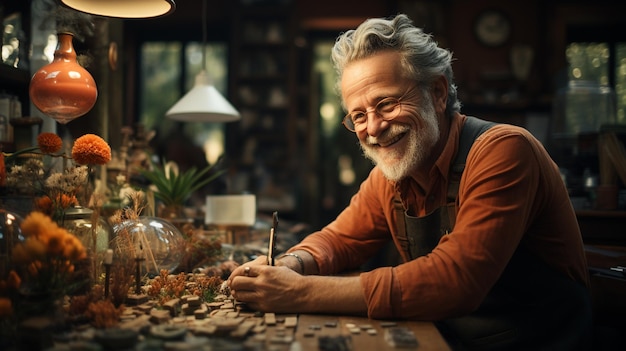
(63, 89)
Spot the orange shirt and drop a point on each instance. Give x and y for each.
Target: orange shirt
(511, 193)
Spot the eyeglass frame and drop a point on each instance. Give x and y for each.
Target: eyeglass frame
(347, 119)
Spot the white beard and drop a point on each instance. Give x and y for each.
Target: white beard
(399, 164)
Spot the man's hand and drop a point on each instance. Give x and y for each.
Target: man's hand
(268, 288)
(280, 289)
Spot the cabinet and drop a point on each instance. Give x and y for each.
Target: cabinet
(605, 248)
(263, 89)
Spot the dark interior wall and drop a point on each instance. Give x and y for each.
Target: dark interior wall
(324, 9)
(476, 61)
(542, 24)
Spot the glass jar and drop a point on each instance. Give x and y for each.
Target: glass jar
(96, 238)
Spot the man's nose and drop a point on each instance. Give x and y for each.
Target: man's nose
(375, 123)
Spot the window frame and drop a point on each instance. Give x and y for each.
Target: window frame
(612, 35)
(187, 31)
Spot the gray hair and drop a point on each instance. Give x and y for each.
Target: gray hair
(422, 59)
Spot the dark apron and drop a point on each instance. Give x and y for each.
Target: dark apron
(531, 307)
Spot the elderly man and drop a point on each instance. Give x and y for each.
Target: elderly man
(489, 242)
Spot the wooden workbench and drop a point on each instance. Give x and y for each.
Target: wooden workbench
(351, 333)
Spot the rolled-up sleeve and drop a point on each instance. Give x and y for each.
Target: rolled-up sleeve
(378, 286)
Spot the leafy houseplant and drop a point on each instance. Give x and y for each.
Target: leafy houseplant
(173, 188)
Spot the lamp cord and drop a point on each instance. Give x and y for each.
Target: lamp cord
(204, 34)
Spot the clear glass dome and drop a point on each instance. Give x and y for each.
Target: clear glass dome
(156, 241)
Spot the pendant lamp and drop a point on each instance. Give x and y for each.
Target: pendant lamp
(122, 8)
(203, 103)
(63, 89)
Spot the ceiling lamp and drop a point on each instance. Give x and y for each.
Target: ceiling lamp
(63, 89)
(203, 103)
(122, 8)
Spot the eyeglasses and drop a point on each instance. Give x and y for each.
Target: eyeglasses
(387, 109)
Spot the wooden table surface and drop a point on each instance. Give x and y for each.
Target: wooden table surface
(310, 328)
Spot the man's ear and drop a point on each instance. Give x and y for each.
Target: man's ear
(439, 94)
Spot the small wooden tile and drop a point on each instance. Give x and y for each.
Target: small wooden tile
(270, 319)
(291, 322)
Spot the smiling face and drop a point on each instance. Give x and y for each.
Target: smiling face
(405, 143)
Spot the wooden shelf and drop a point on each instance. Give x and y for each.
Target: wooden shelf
(14, 76)
(15, 81)
(263, 87)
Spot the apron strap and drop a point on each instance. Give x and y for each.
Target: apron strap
(402, 241)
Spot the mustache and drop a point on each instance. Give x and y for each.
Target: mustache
(393, 131)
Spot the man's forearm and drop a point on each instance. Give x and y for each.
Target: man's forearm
(334, 295)
(324, 294)
(300, 261)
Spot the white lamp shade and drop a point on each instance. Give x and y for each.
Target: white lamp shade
(203, 103)
(123, 8)
(235, 210)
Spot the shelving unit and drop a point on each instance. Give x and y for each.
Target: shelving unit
(14, 81)
(263, 88)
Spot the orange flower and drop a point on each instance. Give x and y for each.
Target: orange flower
(55, 242)
(91, 149)
(47, 253)
(14, 281)
(34, 268)
(44, 204)
(36, 223)
(35, 248)
(6, 308)
(70, 268)
(73, 248)
(49, 143)
(67, 201)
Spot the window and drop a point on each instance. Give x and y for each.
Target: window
(598, 55)
(341, 167)
(164, 65)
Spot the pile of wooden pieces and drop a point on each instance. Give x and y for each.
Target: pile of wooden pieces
(188, 323)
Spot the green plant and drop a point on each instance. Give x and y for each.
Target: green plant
(174, 187)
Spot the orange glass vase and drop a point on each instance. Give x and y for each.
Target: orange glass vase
(63, 89)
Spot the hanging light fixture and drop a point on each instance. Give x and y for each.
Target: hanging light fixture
(203, 103)
(122, 8)
(63, 89)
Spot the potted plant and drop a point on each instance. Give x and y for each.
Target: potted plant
(174, 187)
